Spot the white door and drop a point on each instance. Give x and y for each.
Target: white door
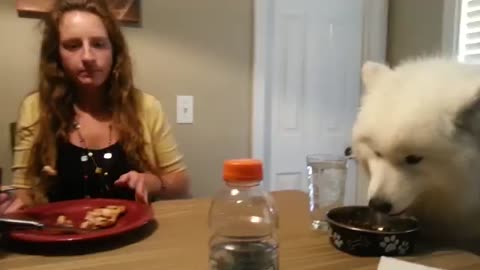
(311, 86)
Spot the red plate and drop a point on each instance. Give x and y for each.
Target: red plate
(136, 216)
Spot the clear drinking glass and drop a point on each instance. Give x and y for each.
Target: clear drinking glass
(326, 185)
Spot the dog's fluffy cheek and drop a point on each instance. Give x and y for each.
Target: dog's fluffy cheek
(390, 184)
(403, 195)
(378, 179)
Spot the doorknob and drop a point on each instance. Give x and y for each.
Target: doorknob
(348, 151)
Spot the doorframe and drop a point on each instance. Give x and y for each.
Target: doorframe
(450, 27)
(375, 21)
(262, 33)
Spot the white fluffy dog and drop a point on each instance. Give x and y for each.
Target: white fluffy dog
(417, 135)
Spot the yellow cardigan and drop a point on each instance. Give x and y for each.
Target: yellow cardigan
(160, 145)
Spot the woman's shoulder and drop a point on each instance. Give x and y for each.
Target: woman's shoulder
(31, 99)
(29, 109)
(149, 104)
(30, 104)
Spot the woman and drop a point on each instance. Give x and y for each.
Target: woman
(87, 131)
(4, 202)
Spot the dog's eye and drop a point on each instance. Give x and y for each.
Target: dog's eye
(412, 159)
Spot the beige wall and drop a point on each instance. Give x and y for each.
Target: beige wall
(184, 47)
(19, 47)
(415, 28)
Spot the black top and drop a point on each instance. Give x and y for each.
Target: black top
(78, 176)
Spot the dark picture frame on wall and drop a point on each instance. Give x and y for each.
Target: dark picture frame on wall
(126, 11)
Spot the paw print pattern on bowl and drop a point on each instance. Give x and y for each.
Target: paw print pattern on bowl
(337, 240)
(389, 243)
(346, 234)
(403, 248)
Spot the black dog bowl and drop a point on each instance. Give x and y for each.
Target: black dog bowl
(358, 230)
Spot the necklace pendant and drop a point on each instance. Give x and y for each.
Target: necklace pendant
(107, 155)
(84, 158)
(98, 170)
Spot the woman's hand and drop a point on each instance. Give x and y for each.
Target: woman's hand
(9, 204)
(170, 186)
(4, 202)
(142, 183)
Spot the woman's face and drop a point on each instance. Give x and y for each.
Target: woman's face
(85, 49)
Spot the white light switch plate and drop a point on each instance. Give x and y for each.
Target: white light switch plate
(184, 109)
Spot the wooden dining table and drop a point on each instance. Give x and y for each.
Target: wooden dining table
(178, 240)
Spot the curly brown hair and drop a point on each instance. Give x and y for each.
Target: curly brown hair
(57, 98)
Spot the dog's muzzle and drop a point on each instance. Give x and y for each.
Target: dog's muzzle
(380, 205)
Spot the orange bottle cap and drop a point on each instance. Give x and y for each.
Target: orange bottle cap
(242, 170)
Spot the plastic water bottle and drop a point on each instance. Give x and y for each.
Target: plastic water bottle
(243, 221)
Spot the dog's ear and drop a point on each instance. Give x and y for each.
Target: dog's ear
(371, 71)
(468, 117)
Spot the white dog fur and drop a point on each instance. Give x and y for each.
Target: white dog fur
(425, 112)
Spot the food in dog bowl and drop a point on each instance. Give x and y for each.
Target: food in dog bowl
(368, 226)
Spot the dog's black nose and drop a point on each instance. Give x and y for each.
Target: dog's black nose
(380, 205)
